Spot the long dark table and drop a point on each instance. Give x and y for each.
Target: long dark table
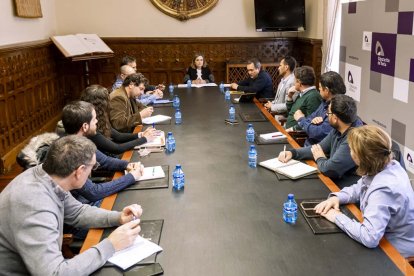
(228, 220)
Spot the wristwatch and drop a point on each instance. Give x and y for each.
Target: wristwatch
(184, 9)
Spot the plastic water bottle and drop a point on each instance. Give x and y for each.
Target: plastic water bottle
(171, 88)
(221, 87)
(170, 143)
(178, 178)
(252, 156)
(250, 133)
(290, 210)
(232, 113)
(176, 102)
(189, 84)
(178, 118)
(227, 95)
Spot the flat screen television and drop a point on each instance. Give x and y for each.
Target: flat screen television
(279, 15)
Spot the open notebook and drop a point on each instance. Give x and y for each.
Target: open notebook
(157, 144)
(293, 169)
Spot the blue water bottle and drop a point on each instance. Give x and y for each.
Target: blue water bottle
(178, 178)
(170, 143)
(250, 133)
(290, 210)
(227, 95)
(232, 113)
(221, 87)
(178, 117)
(176, 101)
(252, 156)
(171, 88)
(189, 84)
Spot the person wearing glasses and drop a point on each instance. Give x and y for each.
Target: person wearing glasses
(124, 111)
(384, 194)
(332, 154)
(36, 204)
(79, 118)
(316, 125)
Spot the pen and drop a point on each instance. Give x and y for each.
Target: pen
(153, 125)
(284, 150)
(134, 217)
(277, 135)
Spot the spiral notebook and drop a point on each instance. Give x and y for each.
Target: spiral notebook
(293, 169)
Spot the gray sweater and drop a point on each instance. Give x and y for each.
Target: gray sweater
(32, 212)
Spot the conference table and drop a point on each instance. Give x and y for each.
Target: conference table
(228, 220)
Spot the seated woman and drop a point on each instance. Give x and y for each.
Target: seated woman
(107, 139)
(384, 192)
(199, 72)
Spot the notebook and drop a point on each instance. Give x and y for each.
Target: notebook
(270, 138)
(156, 182)
(293, 169)
(244, 98)
(157, 143)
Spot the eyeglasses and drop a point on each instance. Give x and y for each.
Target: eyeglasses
(94, 166)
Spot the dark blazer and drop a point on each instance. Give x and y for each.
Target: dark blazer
(262, 85)
(205, 74)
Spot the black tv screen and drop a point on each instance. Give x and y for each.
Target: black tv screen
(279, 15)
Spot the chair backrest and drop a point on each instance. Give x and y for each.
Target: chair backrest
(35, 152)
(396, 153)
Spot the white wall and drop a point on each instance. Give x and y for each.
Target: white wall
(114, 18)
(15, 29)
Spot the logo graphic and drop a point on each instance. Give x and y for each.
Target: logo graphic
(378, 49)
(350, 78)
(366, 39)
(383, 52)
(409, 158)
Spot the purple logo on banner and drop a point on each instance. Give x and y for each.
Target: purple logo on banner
(383, 50)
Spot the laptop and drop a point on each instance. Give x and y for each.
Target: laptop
(244, 98)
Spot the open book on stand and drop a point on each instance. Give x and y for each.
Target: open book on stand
(293, 169)
(82, 45)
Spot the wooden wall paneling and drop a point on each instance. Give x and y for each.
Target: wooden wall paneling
(29, 95)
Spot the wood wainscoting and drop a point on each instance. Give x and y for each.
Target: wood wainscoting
(36, 80)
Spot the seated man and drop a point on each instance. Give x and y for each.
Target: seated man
(34, 206)
(259, 81)
(308, 98)
(124, 112)
(332, 154)
(286, 67)
(128, 67)
(317, 125)
(79, 118)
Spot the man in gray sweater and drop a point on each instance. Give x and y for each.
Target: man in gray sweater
(36, 204)
(332, 154)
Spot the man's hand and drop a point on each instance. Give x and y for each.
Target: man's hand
(150, 134)
(268, 105)
(291, 92)
(125, 235)
(234, 86)
(317, 152)
(298, 114)
(160, 87)
(136, 169)
(146, 112)
(289, 129)
(317, 120)
(158, 93)
(285, 156)
(130, 213)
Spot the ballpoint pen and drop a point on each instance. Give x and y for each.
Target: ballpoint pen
(277, 135)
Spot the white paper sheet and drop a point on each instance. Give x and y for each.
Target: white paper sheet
(155, 119)
(272, 136)
(141, 249)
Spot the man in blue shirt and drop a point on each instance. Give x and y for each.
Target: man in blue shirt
(332, 154)
(317, 124)
(259, 81)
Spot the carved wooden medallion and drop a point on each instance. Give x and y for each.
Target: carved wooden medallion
(184, 9)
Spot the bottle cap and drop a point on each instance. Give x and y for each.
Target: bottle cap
(250, 125)
(178, 166)
(252, 146)
(291, 196)
(169, 133)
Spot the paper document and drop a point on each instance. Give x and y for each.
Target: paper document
(161, 101)
(227, 85)
(155, 119)
(80, 44)
(151, 173)
(293, 168)
(236, 99)
(141, 249)
(159, 141)
(184, 85)
(272, 136)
